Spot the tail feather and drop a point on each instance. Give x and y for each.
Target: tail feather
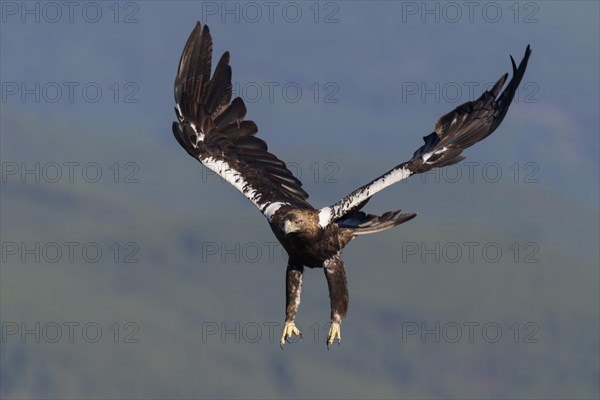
(362, 223)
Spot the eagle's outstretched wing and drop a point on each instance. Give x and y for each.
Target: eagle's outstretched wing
(463, 127)
(212, 129)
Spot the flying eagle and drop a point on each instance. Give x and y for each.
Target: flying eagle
(212, 129)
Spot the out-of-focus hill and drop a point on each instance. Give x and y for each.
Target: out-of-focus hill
(203, 257)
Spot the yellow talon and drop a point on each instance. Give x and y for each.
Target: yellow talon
(334, 334)
(288, 330)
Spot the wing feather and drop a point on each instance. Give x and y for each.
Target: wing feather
(461, 128)
(212, 129)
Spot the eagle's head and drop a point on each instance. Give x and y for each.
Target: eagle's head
(303, 223)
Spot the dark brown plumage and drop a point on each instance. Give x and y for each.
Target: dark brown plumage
(212, 129)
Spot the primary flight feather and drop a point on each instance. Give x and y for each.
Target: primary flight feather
(211, 128)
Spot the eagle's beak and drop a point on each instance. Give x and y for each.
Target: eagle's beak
(288, 227)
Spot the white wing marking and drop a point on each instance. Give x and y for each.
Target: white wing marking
(199, 134)
(236, 179)
(327, 214)
(427, 156)
(270, 210)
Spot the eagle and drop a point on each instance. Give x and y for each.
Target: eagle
(212, 128)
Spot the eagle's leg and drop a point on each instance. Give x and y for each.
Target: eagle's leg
(338, 295)
(293, 287)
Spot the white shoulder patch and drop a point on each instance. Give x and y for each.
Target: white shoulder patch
(324, 216)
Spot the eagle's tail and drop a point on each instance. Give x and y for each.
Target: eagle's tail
(361, 223)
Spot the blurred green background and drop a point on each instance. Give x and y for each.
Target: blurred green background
(129, 271)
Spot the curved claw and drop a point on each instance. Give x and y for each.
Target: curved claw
(288, 330)
(334, 334)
